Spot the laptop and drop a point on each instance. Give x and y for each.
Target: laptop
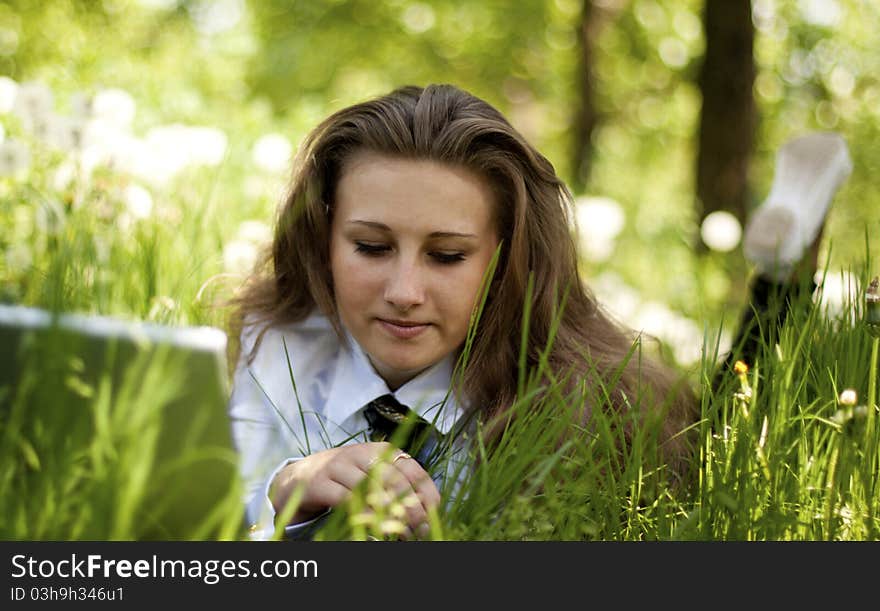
(114, 430)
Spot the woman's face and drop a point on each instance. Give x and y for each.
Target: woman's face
(409, 243)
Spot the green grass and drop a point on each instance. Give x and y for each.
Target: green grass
(785, 462)
(778, 457)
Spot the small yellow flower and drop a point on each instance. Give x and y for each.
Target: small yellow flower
(744, 395)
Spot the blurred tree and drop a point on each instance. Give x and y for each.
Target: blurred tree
(727, 118)
(586, 115)
(353, 49)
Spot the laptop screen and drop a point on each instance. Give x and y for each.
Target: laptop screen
(114, 430)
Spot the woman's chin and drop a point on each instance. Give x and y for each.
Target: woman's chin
(398, 371)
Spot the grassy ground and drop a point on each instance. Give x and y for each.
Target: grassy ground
(778, 455)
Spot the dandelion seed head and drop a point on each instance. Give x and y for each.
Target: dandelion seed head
(59, 133)
(839, 290)
(620, 299)
(207, 146)
(168, 149)
(138, 201)
(115, 106)
(680, 333)
(15, 158)
(272, 152)
(33, 101)
(599, 221)
(255, 232)
(63, 176)
(239, 257)
(81, 106)
(848, 397)
(8, 93)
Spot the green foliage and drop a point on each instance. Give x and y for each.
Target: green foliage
(72, 235)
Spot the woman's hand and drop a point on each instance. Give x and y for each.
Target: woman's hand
(327, 478)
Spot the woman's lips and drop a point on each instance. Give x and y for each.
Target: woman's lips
(403, 330)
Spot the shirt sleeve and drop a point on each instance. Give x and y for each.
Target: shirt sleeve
(263, 528)
(258, 434)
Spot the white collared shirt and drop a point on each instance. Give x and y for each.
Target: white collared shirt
(274, 424)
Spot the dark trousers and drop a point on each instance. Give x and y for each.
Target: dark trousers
(767, 309)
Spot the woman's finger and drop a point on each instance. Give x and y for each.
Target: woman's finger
(420, 481)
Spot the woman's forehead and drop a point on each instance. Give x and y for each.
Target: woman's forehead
(380, 189)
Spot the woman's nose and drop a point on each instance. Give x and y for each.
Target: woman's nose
(405, 288)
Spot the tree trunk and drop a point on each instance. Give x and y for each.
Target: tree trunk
(586, 116)
(728, 116)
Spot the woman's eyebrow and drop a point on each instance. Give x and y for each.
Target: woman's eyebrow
(434, 234)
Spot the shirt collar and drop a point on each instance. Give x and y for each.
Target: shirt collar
(356, 383)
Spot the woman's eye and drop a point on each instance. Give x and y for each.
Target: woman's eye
(372, 250)
(448, 257)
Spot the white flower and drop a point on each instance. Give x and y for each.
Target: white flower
(64, 176)
(272, 153)
(721, 231)
(837, 294)
(8, 93)
(81, 106)
(618, 298)
(848, 397)
(114, 106)
(33, 101)
(15, 158)
(269, 186)
(138, 201)
(255, 232)
(168, 149)
(99, 138)
(168, 142)
(680, 333)
(207, 145)
(61, 133)
(239, 256)
(106, 144)
(599, 221)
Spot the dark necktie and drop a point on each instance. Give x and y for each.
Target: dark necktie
(394, 422)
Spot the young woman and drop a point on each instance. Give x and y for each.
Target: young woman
(398, 209)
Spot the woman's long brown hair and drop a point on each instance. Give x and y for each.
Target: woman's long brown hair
(448, 125)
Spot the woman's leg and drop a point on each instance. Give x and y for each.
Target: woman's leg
(782, 240)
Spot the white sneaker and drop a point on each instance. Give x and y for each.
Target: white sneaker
(809, 171)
